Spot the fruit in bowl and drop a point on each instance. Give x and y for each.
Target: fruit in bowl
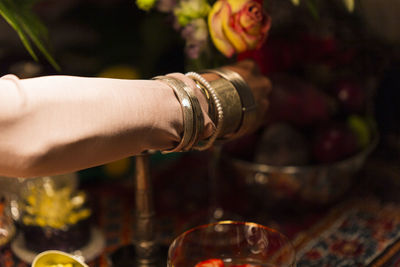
(302, 157)
(314, 125)
(350, 95)
(298, 102)
(281, 144)
(333, 142)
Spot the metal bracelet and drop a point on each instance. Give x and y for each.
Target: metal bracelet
(249, 106)
(187, 113)
(218, 106)
(198, 123)
(231, 105)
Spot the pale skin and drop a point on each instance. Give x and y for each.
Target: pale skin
(58, 124)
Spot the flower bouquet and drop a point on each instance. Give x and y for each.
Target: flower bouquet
(215, 32)
(233, 26)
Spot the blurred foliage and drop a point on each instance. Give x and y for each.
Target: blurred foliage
(18, 13)
(87, 36)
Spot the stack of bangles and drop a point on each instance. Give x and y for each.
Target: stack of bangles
(232, 108)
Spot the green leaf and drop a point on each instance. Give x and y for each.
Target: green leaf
(19, 15)
(37, 33)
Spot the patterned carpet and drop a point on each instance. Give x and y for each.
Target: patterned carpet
(361, 232)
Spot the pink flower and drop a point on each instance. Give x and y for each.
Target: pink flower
(238, 25)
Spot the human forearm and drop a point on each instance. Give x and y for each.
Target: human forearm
(56, 124)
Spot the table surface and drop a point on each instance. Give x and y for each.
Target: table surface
(361, 229)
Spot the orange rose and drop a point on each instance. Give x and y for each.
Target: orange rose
(238, 25)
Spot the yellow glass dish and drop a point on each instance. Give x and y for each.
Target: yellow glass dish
(54, 258)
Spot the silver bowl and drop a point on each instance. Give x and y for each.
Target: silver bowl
(310, 184)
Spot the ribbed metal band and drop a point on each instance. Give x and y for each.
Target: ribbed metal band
(249, 106)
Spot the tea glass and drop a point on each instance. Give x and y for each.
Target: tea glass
(235, 243)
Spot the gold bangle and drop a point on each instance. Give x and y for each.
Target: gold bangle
(198, 118)
(187, 113)
(249, 106)
(218, 106)
(198, 121)
(198, 114)
(231, 105)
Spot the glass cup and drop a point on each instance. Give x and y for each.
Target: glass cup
(230, 243)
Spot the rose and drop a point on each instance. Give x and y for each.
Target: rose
(238, 25)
